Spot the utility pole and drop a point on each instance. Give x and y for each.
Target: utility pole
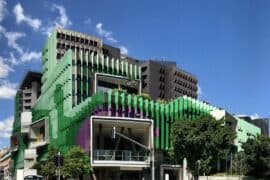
(231, 163)
(58, 161)
(58, 164)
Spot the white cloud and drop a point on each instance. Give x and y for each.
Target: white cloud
(255, 116)
(123, 50)
(105, 33)
(12, 38)
(88, 21)
(7, 90)
(3, 9)
(21, 17)
(4, 68)
(6, 127)
(30, 56)
(24, 55)
(61, 21)
(109, 37)
(199, 91)
(2, 29)
(12, 59)
(27, 56)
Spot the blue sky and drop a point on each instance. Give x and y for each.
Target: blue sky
(224, 43)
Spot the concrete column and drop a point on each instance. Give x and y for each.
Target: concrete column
(161, 172)
(185, 172)
(101, 139)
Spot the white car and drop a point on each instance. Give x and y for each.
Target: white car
(33, 177)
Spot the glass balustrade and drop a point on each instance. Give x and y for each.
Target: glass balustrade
(120, 155)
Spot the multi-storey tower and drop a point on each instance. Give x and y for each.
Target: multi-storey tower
(164, 80)
(27, 95)
(30, 90)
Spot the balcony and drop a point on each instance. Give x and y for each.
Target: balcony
(130, 144)
(26, 119)
(37, 144)
(121, 158)
(105, 82)
(39, 133)
(124, 155)
(30, 154)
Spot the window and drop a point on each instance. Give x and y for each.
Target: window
(161, 87)
(144, 68)
(58, 35)
(91, 43)
(27, 107)
(95, 43)
(29, 86)
(82, 40)
(27, 100)
(58, 56)
(72, 38)
(162, 79)
(162, 71)
(27, 94)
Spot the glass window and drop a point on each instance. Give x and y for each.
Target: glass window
(27, 94)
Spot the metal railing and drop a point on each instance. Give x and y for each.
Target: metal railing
(120, 155)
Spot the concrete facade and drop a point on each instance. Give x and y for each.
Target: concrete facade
(30, 90)
(164, 80)
(5, 157)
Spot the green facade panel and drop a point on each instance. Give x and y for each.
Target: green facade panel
(66, 98)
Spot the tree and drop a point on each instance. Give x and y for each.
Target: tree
(238, 165)
(257, 157)
(203, 139)
(76, 163)
(47, 167)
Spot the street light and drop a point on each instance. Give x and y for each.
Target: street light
(197, 165)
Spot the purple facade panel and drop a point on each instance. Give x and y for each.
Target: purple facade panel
(83, 136)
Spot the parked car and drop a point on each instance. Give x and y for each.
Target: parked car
(33, 177)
